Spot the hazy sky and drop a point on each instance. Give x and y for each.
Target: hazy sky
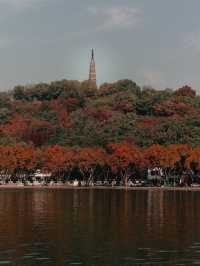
(153, 42)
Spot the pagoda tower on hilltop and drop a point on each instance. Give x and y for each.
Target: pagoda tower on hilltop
(92, 72)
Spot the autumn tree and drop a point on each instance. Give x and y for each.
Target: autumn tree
(58, 160)
(185, 91)
(125, 159)
(88, 160)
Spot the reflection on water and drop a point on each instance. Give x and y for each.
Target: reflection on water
(99, 227)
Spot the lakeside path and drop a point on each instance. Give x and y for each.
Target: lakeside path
(64, 187)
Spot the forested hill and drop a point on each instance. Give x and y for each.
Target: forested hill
(71, 113)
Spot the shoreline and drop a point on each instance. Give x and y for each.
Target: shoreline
(65, 187)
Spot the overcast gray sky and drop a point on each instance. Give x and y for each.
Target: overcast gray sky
(153, 42)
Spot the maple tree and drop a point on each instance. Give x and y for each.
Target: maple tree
(125, 159)
(58, 160)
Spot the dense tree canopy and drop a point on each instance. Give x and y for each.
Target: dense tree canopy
(73, 114)
(118, 128)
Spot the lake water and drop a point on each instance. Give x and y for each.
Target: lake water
(99, 227)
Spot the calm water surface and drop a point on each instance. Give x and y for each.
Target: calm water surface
(99, 227)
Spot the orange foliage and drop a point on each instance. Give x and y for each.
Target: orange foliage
(175, 153)
(18, 158)
(193, 160)
(124, 155)
(87, 158)
(119, 157)
(16, 126)
(154, 156)
(57, 158)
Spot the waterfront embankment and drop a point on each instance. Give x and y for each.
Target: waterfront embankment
(64, 187)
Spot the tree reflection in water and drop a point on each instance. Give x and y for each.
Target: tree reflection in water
(99, 227)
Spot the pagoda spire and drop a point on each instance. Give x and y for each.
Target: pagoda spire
(92, 53)
(92, 72)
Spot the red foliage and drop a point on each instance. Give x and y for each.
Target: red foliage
(185, 91)
(193, 160)
(55, 105)
(64, 120)
(123, 155)
(38, 132)
(154, 155)
(19, 158)
(71, 104)
(16, 126)
(148, 122)
(87, 158)
(124, 106)
(166, 157)
(57, 158)
(100, 114)
(172, 107)
(175, 153)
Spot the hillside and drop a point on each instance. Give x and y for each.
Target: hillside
(117, 132)
(70, 113)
